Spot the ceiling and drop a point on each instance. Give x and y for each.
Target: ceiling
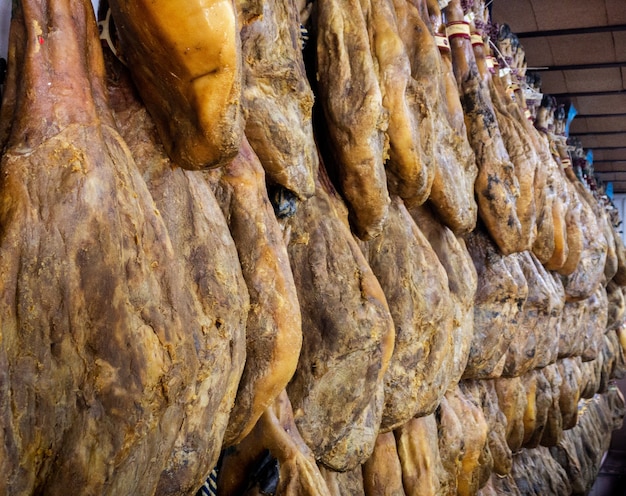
(579, 50)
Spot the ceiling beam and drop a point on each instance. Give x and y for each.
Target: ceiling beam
(598, 133)
(611, 176)
(593, 116)
(577, 67)
(607, 147)
(572, 31)
(589, 93)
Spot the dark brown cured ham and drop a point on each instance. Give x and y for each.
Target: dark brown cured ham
(497, 187)
(277, 99)
(348, 334)
(350, 95)
(122, 368)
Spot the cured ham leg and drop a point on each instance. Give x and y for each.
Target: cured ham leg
(350, 96)
(193, 94)
(497, 187)
(277, 98)
(120, 380)
(273, 328)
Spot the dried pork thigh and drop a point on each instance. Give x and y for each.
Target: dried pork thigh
(517, 142)
(193, 94)
(382, 471)
(452, 192)
(273, 457)
(410, 171)
(416, 287)
(451, 444)
(536, 473)
(612, 258)
(591, 372)
(569, 391)
(595, 324)
(553, 431)
(501, 293)
(620, 251)
(545, 194)
(462, 282)
(538, 404)
(342, 483)
(512, 401)
(589, 273)
(483, 393)
(348, 334)
(356, 121)
(536, 338)
(573, 320)
(474, 466)
(497, 187)
(548, 340)
(109, 357)
(273, 328)
(418, 451)
(560, 206)
(617, 305)
(277, 98)
(210, 265)
(505, 485)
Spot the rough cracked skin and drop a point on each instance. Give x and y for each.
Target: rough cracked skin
(350, 95)
(415, 284)
(121, 368)
(277, 98)
(348, 334)
(502, 291)
(462, 283)
(185, 58)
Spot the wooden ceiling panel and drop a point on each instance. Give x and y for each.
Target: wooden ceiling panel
(553, 82)
(539, 51)
(618, 155)
(611, 176)
(616, 11)
(617, 166)
(597, 124)
(603, 140)
(603, 104)
(579, 125)
(586, 80)
(518, 13)
(554, 14)
(590, 48)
